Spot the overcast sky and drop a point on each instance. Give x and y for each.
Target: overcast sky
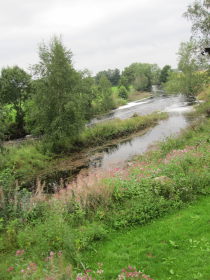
(101, 34)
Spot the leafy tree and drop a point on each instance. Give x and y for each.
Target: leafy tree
(88, 91)
(104, 94)
(192, 75)
(112, 75)
(122, 92)
(193, 67)
(140, 75)
(14, 90)
(178, 82)
(141, 82)
(200, 18)
(58, 100)
(164, 74)
(127, 77)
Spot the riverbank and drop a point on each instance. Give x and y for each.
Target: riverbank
(133, 95)
(27, 160)
(76, 218)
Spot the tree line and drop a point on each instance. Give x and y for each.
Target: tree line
(55, 101)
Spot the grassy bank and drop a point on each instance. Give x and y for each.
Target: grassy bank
(75, 219)
(100, 133)
(28, 159)
(174, 247)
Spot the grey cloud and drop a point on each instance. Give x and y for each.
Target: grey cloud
(147, 31)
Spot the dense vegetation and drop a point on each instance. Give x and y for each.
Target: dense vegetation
(74, 219)
(56, 236)
(56, 101)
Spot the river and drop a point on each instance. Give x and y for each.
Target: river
(116, 155)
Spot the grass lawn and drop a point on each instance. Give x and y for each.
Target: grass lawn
(174, 247)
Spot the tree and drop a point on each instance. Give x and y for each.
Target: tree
(164, 74)
(141, 82)
(122, 92)
(127, 77)
(190, 64)
(87, 88)
(200, 18)
(140, 75)
(192, 75)
(58, 100)
(112, 75)
(104, 94)
(14, 90)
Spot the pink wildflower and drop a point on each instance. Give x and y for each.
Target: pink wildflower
(11, 268)
(20, 252)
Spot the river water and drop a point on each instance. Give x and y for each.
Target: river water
(118, 154)
(176, 106)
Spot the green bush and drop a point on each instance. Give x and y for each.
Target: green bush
(122, 92)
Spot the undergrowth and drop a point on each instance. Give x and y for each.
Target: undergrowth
(77, 217)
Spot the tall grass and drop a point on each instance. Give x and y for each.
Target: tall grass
(109, 130)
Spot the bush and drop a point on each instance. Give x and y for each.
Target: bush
(122, 92)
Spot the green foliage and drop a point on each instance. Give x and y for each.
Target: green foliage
(100, 133)
(164, 74)
(122, 92)
(3, 124)
(13, 201)
(14, 90)
(87, 87)
(190, 83)
(112, 75)
(26, 160)
(199, 16)
(103, 97)
(140, 75)
(141, 82)
(61, 118)
(193, 76)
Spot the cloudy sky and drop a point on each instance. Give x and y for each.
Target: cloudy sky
(101, 34)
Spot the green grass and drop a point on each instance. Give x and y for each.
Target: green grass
(174, 247)
(25, 160)
(109, 130)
